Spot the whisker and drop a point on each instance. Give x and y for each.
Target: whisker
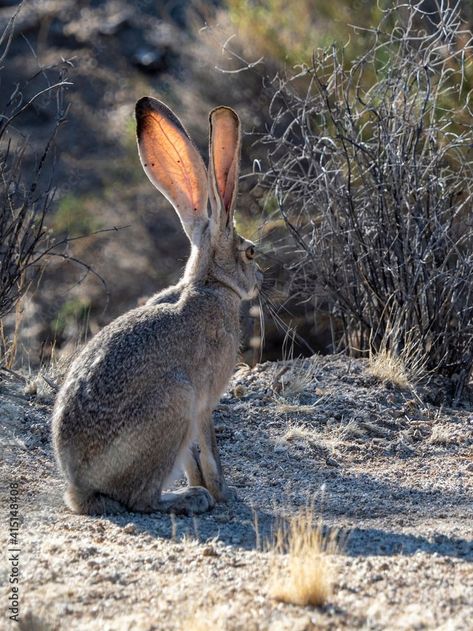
(262, 329)
(281, 325)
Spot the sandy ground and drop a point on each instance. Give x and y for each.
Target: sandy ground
(391, 471)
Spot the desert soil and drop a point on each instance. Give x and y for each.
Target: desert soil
(388, 468)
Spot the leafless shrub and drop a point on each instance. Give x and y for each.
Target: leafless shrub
(26, 184)
(371, 166)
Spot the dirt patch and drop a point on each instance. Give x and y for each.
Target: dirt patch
(392, 472)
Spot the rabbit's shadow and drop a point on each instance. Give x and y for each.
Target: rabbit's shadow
(238, 524)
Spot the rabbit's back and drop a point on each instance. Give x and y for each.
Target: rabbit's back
(130, 370)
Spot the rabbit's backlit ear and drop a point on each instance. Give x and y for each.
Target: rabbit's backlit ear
(224, 156)
(172, 162)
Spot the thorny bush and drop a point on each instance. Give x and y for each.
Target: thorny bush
(26, 180)
(371, 166)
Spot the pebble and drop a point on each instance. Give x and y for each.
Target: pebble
(239, 391)
(331, 462)
(31, 388)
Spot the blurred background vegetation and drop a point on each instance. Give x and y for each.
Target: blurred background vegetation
(193, 55)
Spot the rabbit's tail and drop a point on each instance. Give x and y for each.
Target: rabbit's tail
(91, 502)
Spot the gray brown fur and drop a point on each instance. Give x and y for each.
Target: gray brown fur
(136, 405)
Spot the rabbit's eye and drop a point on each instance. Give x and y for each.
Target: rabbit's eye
(250, 252)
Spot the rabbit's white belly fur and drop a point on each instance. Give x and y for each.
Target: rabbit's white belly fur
(201, 407)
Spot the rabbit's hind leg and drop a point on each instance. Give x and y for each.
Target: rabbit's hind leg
(91, 502)
(188, 501)
(192, 500)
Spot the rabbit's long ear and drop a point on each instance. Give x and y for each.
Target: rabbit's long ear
(224, 161)
(172, 163)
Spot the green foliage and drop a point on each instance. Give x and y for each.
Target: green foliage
(288, 36)
(76, 216)
(72, 312)
(291, 38)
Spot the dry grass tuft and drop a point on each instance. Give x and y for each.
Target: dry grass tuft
(287, 408)
(441, 435)
(302, 572)
(329, 441)
(299, 433)
(386, 366)
(299, 379)
(403, 368)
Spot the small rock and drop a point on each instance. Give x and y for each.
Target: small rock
(331, 462)
(263, 367)
(298, 624)
(210, 551)
(280, 448)
(130, 529)
(404, 450)
(31, 387)
(410, 405)
(239, 391)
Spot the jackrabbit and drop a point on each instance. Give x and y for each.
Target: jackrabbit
(136, 405)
